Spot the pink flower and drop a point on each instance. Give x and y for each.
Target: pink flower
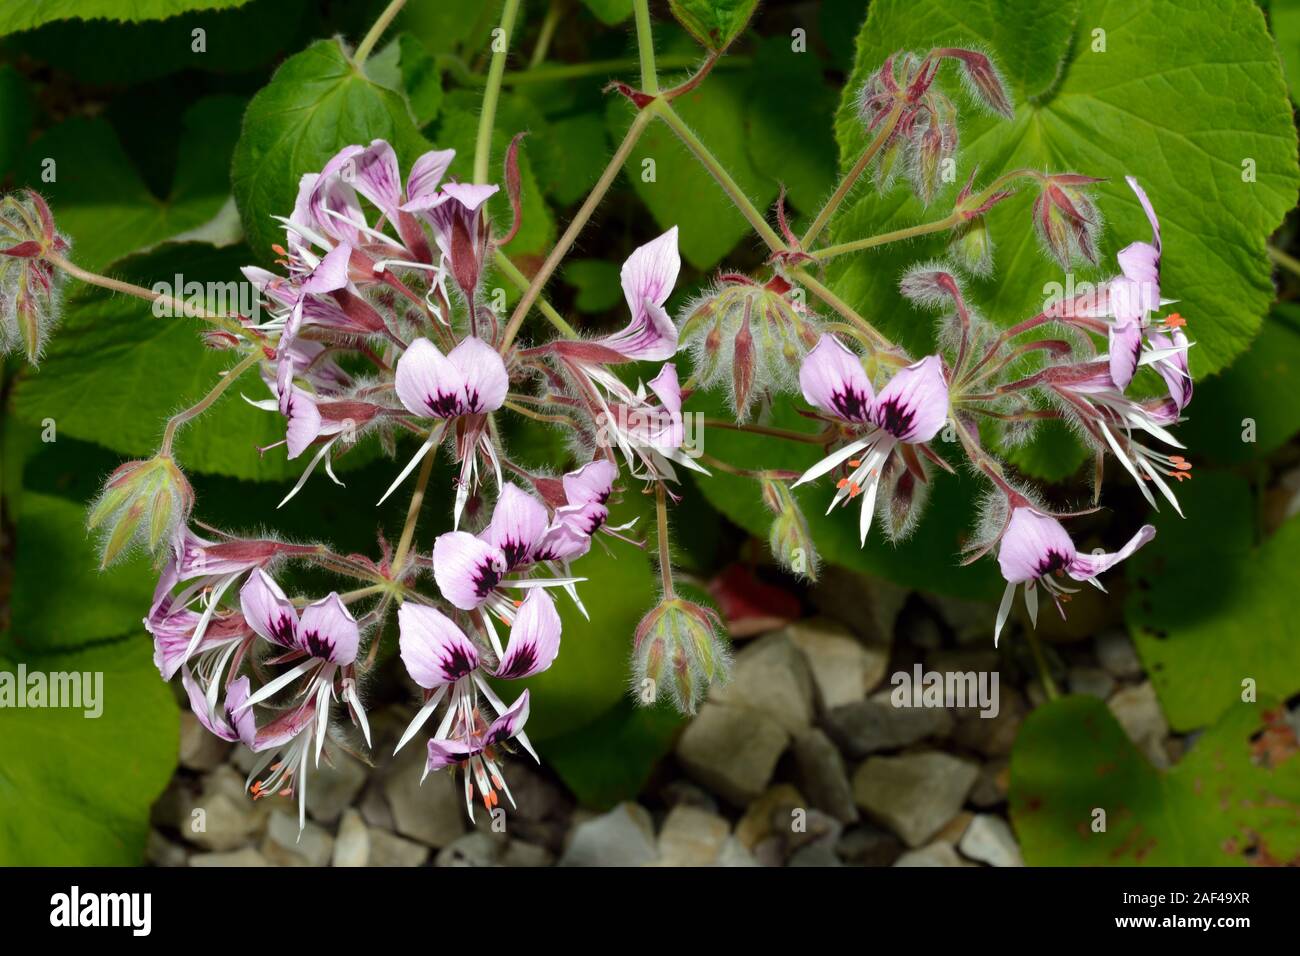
(909, 410)
(444, 661)
(1035, 547)
(471, 570)
(467, 383)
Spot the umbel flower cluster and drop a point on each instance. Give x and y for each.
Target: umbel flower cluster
(376, 324)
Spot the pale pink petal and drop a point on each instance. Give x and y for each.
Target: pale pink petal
(509, 724)
(378, 178)
(242, 722)
(1086, 566)
(329, 631)
(483, 372)
(267, 610)
(913, 405)
(466, 568)
(1174, 368)
(648, 277)
(303, 424)
(428, 384)
(592, 482)
(518, 522)
(832, 378)
(563, 541)
(1034, 545)
(331, 273)
(425, 176)
(1125, 347)
(667, 431)
(434, 650)
(448, 753)
(534, 638)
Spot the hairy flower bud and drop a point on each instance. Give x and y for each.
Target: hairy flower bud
(679, 649)
(143, 502)
(30, 285)
(1067, 219)
(752, 336)
(790, 539)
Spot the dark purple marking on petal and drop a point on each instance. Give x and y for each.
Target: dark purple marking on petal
(895, 417)
(456, 663)
(485, 578)
(522, 661)
(318, 646)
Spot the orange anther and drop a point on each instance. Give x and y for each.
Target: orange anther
(1175, 321)
(841, 483)
(278, 249)
(854, 489)
(855, 462)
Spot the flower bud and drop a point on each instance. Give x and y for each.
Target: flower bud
(972, 246)
(1066, 219)
(30, 285)
(143, 502)
(935, 141)
(679, 647)
(790, 540)
(752, 337)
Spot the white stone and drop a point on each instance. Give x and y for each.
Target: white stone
(989, 839)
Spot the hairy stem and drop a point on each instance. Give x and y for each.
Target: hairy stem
(819, 438)
(843, 308)
(898, 235)
(847, 183)
(645, 47)
(562, 247)
(413, 512)
(487, 118)
(511, 272)
(203, 404)
(665, 112)
(372, 37)
(1040, 661)
(230, 323)
(665, 550)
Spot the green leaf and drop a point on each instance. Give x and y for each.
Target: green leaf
(1256, 398)
(611, 758)
(1053, 455)
(76, 790)
(682, 192)
(317, 103)
(597, 282)
(116, 54)
(1284, 16)
(15, 116)
(1230, 802)
(443, 26)
(61, 599)
(713, 23)
(1182, 114)
(1209, 608)
(114, 373)
(24, 16)
(789, 141)
(610, 12)
(571, 157)
(405, 64)
(928, 559)
(98, 198)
